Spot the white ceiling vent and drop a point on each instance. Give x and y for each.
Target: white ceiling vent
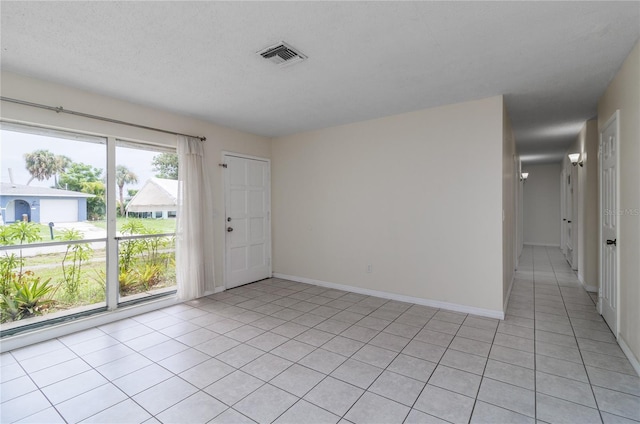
(282, 54)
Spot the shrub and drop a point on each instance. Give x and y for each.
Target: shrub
(28, 298)
(74, 256)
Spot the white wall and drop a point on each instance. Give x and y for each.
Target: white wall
(418, 196)
(587, 203)
(541, 205)
(624, 94)
(218, 138)
(510, 186)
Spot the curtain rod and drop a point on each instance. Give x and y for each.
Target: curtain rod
(60, 109)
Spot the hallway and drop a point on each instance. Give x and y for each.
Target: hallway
(285, 352)
(578, 364)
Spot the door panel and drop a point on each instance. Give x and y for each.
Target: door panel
(247, 208)
(609, 223)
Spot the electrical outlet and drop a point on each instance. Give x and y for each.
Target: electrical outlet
(369, 269)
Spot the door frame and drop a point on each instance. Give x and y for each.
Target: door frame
(614, 117)
(563, 212)
(225, 195)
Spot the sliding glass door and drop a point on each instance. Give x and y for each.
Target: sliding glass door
(147, 191)
(87, 224)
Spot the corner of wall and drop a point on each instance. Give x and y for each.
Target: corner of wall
(510, 188)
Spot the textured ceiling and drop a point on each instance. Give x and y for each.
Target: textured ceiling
(551, 60)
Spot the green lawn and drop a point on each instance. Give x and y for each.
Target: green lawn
(45, 234)
(144, 264)
(157, 226)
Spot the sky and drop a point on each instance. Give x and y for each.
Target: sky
(13, 146)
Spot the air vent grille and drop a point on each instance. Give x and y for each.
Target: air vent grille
(282, 54)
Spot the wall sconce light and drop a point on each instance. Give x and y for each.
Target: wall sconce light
(524, 176)
(574, 158)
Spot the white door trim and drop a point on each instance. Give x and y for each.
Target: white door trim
(225, 154)
(563, 217)
(615, 116)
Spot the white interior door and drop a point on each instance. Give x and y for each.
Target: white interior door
(247, 219)
(569, 215)
(609, 223)
(573, 225)
(563, 212)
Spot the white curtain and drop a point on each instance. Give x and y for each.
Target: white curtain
(194, 232)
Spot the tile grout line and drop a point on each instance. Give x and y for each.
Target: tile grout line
(580, 352)
(233, 313)
(484, 370)
(351, 357)
(297, 362)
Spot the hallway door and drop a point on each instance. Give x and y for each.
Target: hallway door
(570, 235)
(247, 219)
(609, 223)
(563, 212)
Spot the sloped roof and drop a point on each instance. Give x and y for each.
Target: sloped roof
(156, 194)
(9, 189)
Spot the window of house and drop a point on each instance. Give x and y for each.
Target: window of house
(80, 232)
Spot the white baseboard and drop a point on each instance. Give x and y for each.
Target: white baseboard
(587, 287)
(214, 291)
(526, 243)
(489, 313)
(627, 351)
(79, 324)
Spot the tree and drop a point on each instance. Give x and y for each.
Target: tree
(86, 179)
(62, 162)
(166, 165)
(78, 173)
(41, 164)
(124, 176)
(96, 206)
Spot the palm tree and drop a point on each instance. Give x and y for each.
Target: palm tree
(124, 176)
(41, 164)
(62, 162)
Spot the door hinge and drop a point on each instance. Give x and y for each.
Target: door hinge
(224, 165)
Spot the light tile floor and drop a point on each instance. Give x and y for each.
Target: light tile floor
(284, 352)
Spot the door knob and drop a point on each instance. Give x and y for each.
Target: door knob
(229, 229)
(613, 242)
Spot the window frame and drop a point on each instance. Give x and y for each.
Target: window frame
(45, 329)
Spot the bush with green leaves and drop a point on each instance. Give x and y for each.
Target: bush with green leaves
(28, 298)
(143, 263)
(22, 293)
(75, 255)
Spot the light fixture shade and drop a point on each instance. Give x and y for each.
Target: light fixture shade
(574, 158)
(525, 175)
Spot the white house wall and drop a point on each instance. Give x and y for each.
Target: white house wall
(624, 94)
(510, 187)
(416, 196)
(587, 185)
(541, 205)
